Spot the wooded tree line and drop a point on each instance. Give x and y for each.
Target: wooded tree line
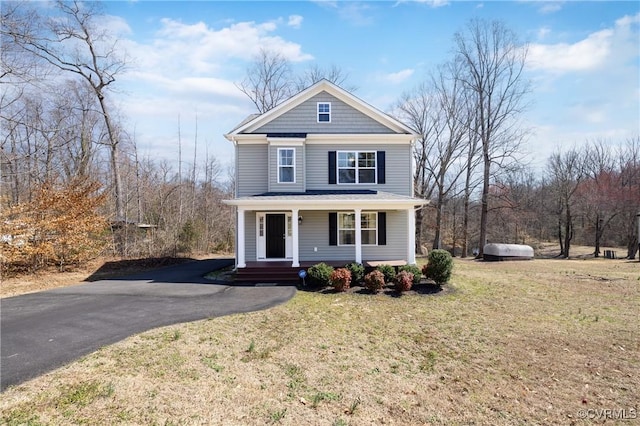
(60, 131)
(468, 113)
(63, 138)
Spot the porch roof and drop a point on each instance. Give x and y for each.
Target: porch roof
(327, 200)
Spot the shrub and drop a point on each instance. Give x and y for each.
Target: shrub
(374, 281)
(388, 271)
(403, 281)
(357, 272)
(438, 267)
(415, 270)
(320, 274)
(340, 279)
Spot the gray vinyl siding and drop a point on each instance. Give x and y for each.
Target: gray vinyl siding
(250, 236)
(314, 232)
(398, 167)
(251, 170)
(304, 119)
(298, 186)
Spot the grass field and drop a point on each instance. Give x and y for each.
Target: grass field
(535, 342)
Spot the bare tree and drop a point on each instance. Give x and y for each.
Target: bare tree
(314, 73)
(75, 43)
(268, 80)
(493, 62)
(416, 107)
(566, 171)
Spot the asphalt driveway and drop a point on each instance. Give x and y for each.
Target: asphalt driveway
(43, 331)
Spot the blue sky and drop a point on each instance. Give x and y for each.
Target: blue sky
(187, 56)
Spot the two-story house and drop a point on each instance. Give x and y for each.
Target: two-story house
(325, 177)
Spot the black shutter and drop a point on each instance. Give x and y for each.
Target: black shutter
(381, 167)
(332, 167)
(333, 229)
(382, 228)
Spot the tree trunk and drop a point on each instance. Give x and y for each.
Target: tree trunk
(484, 212)
(419, 222)
(568, 231)
(596, 252)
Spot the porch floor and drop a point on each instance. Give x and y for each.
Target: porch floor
(283, 272)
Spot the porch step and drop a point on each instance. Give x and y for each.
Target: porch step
(270, 274)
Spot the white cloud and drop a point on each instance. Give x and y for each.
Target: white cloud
(585, 54)
(543, 32)
(400, 76)
(295, 21)
(432, 3)
(550, 7)
(594, 52)
(356, 13)
(190, 68)
(201, 50)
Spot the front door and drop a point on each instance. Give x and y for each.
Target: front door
(276, 236)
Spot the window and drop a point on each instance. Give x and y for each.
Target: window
(286, 165)
(347, 228)
(357, 167)
(324, 112)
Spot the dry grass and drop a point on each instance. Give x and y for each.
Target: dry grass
(514, 343)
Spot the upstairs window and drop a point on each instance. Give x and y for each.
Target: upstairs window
(324, 112)
(286, 165)
(356, 167)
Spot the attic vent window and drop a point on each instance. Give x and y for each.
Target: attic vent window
(324, 112)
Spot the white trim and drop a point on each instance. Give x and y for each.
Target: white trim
(261, 242)
(295, 255)
(323, 113)
(285, 141)
(359, 235)
(411, 237)
(325, 204)
(326, 139)
(286, 165)
(240, 250)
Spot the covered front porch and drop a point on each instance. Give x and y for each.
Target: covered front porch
(278, 230)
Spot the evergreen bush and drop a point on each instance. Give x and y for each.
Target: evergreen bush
(439, 266)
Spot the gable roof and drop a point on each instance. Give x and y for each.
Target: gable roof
(255, 122)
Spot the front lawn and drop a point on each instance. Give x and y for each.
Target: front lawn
(534, 342)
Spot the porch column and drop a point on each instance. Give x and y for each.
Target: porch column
(295, 238)
(411, 237)
(240, 262)
(358, 236)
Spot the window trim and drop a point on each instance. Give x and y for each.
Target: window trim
(362, 214)
(323, 113)
(356, 168)
(293, 165)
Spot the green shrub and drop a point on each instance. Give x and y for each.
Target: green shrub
(340, 279)
(388, 271)
(357, 272)
(374, 281)
(415, 270)
(403, 281)
(320, 274)
(439, 266)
